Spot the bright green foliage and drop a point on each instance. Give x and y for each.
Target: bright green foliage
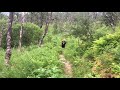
(117, 28)
(3, 29)
(71, 47)
(116, 69)
(81, 67)
(29, 64)
(3, 24)
(105, 43)
(107, 50)
(116, 53)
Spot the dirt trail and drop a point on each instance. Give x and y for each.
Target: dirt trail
(67, 66)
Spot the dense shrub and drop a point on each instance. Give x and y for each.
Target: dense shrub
(35, 63)
(3, 29)
(70, 50)
(100, 30)
(116, 69)
(81, 67)
(105, 43)
(31, 34)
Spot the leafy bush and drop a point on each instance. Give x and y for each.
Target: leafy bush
(37, 62)
(116, 53)
(3, 29)
(3, 24)
(105, 43)
(70, 50)
(89, 54)
(31, 34)
(81, 67)
(100, 30)
(115, 68)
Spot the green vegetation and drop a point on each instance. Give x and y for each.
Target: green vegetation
(29, 64)
(92, 48)
(30, 36)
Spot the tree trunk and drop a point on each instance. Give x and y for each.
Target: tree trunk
(32, 17)
(46, 30)
(21, 30)
(20, 38)
(48, 18)
(41, 20)
(8, 39)
(1, 35)
(0, 39)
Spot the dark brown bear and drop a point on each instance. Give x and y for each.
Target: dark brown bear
(63, 44)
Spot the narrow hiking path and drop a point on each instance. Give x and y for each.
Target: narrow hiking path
(67, 66)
